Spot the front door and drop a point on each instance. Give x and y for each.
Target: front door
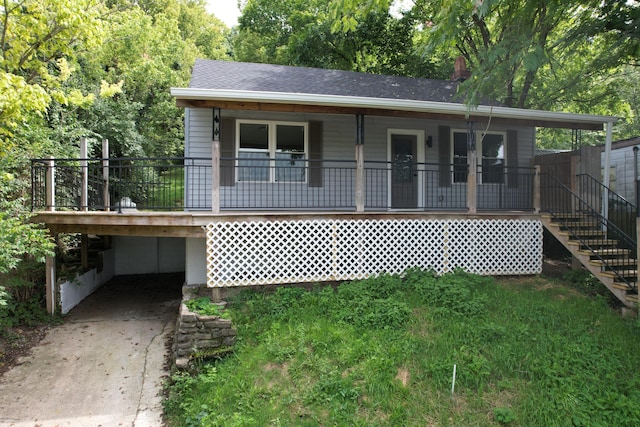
(404, 171)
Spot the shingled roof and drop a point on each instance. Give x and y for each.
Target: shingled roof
(247, 86)
(210, 74)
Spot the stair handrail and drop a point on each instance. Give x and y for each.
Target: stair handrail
(589, 210)
(613, 197)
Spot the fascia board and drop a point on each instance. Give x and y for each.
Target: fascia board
(386, 103)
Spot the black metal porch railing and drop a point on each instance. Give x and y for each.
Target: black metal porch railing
(605, 240)
(505, 188)
(141, 183)
(169, 184)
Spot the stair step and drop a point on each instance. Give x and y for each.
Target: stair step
(622, 286)
(566, 215)
(633, 297)
(605, 252)
(618, 273)
(593, 242)
(582, 233)
(613, 262)
(578, 225)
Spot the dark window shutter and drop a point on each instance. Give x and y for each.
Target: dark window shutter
(227, 151)
(444, 155)
(315, 154)
(512, 158)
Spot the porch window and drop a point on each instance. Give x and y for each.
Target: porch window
(490, 146)
(272, 151)
(459, 157)
(493, 148)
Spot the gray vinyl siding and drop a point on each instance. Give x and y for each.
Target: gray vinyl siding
(338, 186)
(622, 165)
(198, 136)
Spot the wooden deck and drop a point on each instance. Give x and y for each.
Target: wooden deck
(190, 224)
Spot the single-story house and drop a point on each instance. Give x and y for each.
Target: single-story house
(295, 174)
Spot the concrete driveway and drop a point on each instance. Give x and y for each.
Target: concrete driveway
(104, 366)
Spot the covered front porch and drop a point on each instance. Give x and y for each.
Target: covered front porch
(190, 184)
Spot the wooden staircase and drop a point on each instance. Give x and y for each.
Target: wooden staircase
(607, 259)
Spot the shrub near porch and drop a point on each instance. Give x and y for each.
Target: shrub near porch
(381, 352)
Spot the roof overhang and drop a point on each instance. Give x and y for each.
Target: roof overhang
(310, 103)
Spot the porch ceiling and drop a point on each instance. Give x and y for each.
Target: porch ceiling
(334, 104)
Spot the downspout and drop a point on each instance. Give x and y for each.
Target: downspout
(607, 167)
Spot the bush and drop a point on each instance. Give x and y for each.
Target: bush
(585, 282)
(453, 293)
(23, 299)
(372, 303)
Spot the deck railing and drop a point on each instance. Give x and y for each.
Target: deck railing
(170, 184)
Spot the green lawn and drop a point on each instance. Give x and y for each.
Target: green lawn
(168, 189)
(380, 352)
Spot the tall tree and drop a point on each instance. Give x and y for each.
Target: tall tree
(297, 32)
(97, 68)
(39, 41)
(507, 43)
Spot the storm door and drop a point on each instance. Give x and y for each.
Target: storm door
(404, 171)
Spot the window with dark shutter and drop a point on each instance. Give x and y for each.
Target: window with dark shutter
(315, 154)
(512, 158)
(444, 155)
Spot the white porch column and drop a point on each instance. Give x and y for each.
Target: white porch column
(360, 163)
(607, 166)
(215, 163)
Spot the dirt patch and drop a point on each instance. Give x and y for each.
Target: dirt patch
(555, 267)
(18, 342)
(403, 376)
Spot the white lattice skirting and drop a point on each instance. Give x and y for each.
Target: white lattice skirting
(274, 252)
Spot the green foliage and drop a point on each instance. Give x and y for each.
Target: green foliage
(454, 294)
(585, 282)
(18, 237)
(204, 306)
(551, 55)
(372, 303)
(533, 352)
(295, 32)
(504, 415)
(23, 295)
(40, 41)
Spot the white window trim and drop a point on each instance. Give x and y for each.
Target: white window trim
(272, 141)
(479, 134)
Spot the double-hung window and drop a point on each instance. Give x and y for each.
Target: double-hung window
(491, 149)
(493, 159)
(271, 151)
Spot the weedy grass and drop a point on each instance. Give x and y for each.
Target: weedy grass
(379, 352)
